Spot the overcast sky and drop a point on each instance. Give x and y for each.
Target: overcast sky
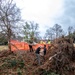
(48, 12)
(68, 17)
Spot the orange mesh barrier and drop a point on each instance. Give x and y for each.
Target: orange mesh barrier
(16, 45)
(20, 46)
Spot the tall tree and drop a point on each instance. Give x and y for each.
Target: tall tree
(70, 30)
(26, 31)
(30, 30)
(9, 18)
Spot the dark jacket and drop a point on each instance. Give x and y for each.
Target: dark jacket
(37, 50)
(44, 50)
(30, 46)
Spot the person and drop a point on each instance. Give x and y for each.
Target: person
(31, 48)
(37, 52)
(44, 52)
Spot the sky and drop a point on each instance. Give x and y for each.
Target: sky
(68, 17)
(48, 12)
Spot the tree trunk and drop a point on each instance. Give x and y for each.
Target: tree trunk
(9, 45)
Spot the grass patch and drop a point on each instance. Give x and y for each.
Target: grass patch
(3, 47)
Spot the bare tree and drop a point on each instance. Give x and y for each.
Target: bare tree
(49, 34)
(57, 30)
(61, 33)
(9, 18)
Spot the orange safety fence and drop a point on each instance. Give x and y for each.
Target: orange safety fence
(16, 45)
(19, 46)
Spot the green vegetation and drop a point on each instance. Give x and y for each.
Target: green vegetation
(49, 73)
(3, 40)
(16, 65)
(45, 72)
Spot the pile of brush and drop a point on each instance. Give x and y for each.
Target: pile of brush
(60, 59)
